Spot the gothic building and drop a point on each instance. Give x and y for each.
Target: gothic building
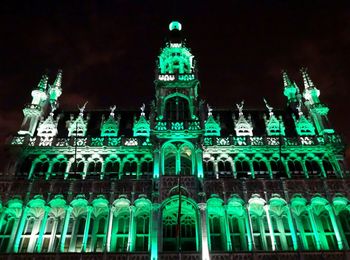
(178, 178)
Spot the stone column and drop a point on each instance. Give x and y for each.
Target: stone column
(109, 231)
(3, 214)
(272, 235)
(155, 225)
(248, 224)
(42, 229)
(199, 158)
(87, 227)
(20, 229)
(292, 229)
(204, 230)
(314, 227)
(132, 233)
(227, 231)
(53, 235)
(65, 227)
(335, 226)
(156, 163)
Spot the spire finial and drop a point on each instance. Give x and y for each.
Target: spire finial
(43, 82)
(210, 110)
(112, 110)
(175, 25)
(306, 78)
(143, 109)
(286, 80)
(53, 108)
(269, 108)
(81, 109)
(58, 80)
(300, 112)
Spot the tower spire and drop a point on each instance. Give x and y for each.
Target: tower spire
(291, 90)
(306, 78)
(42, 85)
(286, 80)
(55, 90)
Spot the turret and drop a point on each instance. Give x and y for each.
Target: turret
(34, 110)
(55, 89)
(291, 90)
(318, 111)
(176, 80)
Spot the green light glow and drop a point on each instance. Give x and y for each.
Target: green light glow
(174, 25)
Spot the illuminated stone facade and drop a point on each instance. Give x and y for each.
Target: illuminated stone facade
(176, 178)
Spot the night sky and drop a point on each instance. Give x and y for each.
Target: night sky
(107, 51)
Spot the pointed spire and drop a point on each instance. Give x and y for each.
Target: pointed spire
(58, 80)
(306, 78)
(43, 83)
(286, 80)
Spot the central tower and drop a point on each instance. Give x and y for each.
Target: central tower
(176, 80)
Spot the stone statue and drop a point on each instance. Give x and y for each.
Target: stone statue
(112, 110)
(240, 108)
(143, 109)
(268, 107)
(210, 110)
(81, 109)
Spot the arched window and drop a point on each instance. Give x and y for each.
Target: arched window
(98, 233)
(60, 165)
(344, 217)
(217, 241)
(77, 165)
(147, 166)
(121, 231)
(188, 227)
(79, 234)
(242, 169)
(112, 166)
(260, 168)
(95, 165)
(328, 167)
(305, 230)
(6, 230)
(142, 231)
(130, 166)
(26, 165)
(170, 163)
(327, 237)
(313, 168)
(295, 168)
(238, 232)
(41, 166)
(177, 109)
(28, 235)
(281, 230)
(186, 160)
(208, 166)
(224, 166)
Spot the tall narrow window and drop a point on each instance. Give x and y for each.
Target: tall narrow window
(177, 109)
(238, 232)
(6, 230)
(142, 232)
(215, 229)
(122, 231)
